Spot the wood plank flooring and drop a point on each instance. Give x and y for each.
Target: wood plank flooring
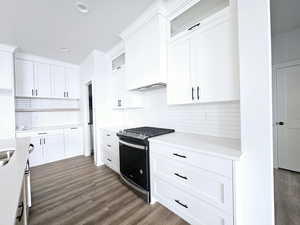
(287, 197)
(75, 192)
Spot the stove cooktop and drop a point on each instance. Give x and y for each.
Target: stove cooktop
(145, 132)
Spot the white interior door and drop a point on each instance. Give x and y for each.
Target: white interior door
(288, 117)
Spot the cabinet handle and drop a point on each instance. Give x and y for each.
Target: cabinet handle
(74, 128)
(64, 94)
(19, 218)
(109, 146)
(181, 156)
(198, 90)
(32, 92)
(67, 94)
(109, 160)
(178, 175)
(108, 135)
(183, 205)
(194, 26)
(42, 133)
(40, 141)
(192, 93)
(44, 141)
(36, 92)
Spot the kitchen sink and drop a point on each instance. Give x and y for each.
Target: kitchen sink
(5, 156)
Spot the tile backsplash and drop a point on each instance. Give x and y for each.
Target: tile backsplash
(216, 119)
(40, 119)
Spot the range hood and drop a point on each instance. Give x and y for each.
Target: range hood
(151, 87)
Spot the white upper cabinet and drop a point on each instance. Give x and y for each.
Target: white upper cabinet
(145, 48)
(6, 70)
(202, 64)
(72, 82)
(58, 81)
(213, 65)
(179, 74)
(24, 78)
(40, 78)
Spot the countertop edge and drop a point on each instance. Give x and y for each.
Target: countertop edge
(233, 154)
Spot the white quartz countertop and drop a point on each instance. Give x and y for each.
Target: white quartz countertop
(11, 178)
(222, 147)
(37, 129)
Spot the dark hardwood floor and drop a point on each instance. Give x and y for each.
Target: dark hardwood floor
(287, 197)
(75, 192)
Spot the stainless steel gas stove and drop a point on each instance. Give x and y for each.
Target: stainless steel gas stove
(134, 157)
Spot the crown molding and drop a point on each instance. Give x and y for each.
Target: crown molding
(8, 48)
(35, 58)
(157, 8)
(117, 50)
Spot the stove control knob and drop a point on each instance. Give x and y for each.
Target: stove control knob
(141, 172)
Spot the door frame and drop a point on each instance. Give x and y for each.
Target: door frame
(87, 151)
(277, 67)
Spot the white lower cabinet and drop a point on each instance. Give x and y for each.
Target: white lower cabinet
(54, 145)
(110, 149)
(54, 148)
(73, 142)
(197, 187)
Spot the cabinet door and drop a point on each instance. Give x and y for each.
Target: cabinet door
(42, 79)
(37, 156)
(58, 81)
(179, 89)
(73, 142)
(6, 70)
(213, 63)
(72, 82)
(7, 115)
(146, 54)
(24, 77)
(54, 147)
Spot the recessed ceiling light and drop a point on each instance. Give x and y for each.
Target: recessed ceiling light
(82, 7)
(64, 50)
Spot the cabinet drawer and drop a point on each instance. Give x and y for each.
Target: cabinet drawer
(188, 207)
(203, 161)
(108, 159)
(212, 188)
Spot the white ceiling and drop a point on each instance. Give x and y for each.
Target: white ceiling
(42, 27)
(285, 15)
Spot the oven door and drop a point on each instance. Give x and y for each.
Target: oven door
(134, 163)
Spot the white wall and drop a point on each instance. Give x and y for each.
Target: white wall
(95, 68)
(254, 178)
(217, 119)
(286, 47)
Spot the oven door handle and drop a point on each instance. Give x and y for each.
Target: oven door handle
(133, 145)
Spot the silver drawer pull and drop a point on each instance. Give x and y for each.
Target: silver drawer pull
(108, 135)
(181, 156)
(109, 160)
(109, 146)
(178, 175)
(42, 133)
(183, 205)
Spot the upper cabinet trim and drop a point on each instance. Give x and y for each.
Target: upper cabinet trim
(40, 59)
(8, 48)
(157, 8)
